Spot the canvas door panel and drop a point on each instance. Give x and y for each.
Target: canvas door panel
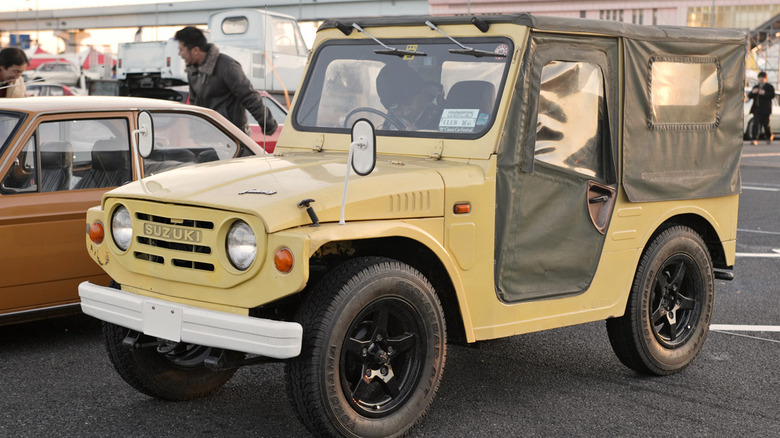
(552, 234)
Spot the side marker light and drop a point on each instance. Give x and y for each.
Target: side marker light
(96, 232)
(283, 260)
(461, 208)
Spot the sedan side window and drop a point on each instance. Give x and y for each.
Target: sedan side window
(72, 154)
(181, 139)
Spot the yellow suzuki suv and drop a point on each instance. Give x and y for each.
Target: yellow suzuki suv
(463, 177)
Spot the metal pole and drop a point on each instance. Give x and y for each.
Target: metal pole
(712, 14)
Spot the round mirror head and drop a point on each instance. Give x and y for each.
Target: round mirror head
(145, 134)
(364, 147)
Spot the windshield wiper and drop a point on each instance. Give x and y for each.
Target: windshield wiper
(463, 49)
(387, 49)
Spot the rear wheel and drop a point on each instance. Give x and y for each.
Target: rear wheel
(374, 346)
(669, 309)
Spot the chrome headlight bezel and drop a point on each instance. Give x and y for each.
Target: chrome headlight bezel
(121, 227)
(241, 245)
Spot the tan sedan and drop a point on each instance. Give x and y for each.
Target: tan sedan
(58, 156)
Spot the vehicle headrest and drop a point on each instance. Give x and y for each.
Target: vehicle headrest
(471, 95)
(110, 155)
(56, 155)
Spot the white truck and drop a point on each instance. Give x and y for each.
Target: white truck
(268, 45)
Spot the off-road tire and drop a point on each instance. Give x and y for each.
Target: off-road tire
(372, 317)
(171, 376)
(670, 306)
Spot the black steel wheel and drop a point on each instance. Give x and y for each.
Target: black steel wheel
(381, 357)
(670, 306)
(374, 347)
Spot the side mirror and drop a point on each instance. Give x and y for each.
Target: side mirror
(362, 155)
(145, 133)
(363, 148)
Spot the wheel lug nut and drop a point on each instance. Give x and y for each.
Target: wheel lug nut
(379, 337)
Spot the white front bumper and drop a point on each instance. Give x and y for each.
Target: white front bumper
(182, 323)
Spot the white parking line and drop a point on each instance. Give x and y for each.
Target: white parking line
(731, 329)
(763, 189)
(764, 154)
(742, 230)
(768, 255)
(745, 328)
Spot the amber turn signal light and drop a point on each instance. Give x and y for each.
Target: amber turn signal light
(283, 260)
(96, 232)
(461, 208)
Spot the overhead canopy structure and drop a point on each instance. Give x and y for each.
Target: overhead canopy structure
(764, 53)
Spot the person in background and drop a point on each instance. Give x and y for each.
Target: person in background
(217, 81)
(13, 62)
(762, 95)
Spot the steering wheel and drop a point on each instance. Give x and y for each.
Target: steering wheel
(367, 109)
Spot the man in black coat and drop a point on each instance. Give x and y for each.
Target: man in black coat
(762, 95)
(217, 81)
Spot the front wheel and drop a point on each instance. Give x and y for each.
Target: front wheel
(669, 309)
(170, 371)
(374, 346)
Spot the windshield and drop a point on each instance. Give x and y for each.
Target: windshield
(8, 125)
(431, 93)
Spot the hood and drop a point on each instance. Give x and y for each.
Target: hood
(272, 188)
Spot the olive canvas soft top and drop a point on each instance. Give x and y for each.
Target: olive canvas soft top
(682, 101)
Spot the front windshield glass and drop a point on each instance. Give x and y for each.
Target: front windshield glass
(438, 94)
(8, 124)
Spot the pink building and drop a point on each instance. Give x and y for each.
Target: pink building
(739, 14)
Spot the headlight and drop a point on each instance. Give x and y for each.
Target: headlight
(122, 228)
(241, 245)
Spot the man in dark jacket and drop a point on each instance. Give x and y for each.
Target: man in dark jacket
(762, 95)
(218, 82)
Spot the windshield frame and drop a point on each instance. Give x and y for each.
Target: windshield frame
(302, 101)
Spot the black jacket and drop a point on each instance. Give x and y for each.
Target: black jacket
(762, 105)
(220, 84)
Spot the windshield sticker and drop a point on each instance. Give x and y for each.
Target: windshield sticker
(502, 49)
(483, 118)
(410, 48)
(458, 120)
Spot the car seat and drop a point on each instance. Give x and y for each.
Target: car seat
(471, 95)
(56, 166)
(110, 165)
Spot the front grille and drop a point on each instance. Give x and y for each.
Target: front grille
(184, 244)
(176, 246)
(182, 241)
